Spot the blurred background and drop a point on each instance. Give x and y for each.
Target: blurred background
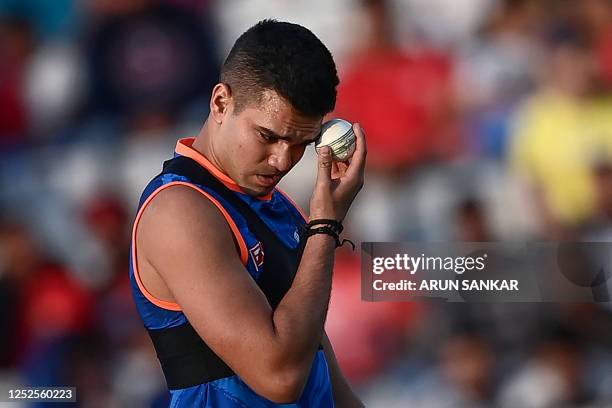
(487, 120)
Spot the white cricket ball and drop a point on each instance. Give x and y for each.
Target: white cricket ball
(338, 134)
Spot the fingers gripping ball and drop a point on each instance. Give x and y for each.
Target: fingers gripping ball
(338, 134)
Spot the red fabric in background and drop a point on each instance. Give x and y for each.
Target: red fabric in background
(13, 118)
(55, 304)
(397, 98)
(604, 56)
(366, 336)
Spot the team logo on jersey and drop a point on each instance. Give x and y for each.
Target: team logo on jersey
(257, 254)
(296, 236)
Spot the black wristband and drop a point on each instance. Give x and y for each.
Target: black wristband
(329, 227)
(335, 225)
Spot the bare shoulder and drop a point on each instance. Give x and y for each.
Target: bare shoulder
(182, 205)
(180, 219)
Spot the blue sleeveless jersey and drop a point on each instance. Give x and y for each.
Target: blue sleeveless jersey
(282, 216)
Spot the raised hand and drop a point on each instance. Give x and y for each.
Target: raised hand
(338, 183)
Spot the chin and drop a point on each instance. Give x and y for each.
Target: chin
(258, 191)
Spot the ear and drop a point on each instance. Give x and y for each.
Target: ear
(220, 101)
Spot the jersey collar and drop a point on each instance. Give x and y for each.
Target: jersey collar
(184, 147)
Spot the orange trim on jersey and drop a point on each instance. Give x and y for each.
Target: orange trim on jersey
(244, 254)
(184, 147)
(300, 210)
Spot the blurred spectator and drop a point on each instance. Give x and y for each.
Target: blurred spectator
(599, 227)
(472, 222)
(18, 259)
(149, 60)
(467, 363)
(16, 46)
(54, 88)
(560, 130)
(402, 100)
(461, 377)
(550, 378)
(136, 377)
(102, 261)
(47, 303)
(55, 304)
(86, 365)
(596, 19)
(367, 337)
(107, 218)
(495, 71)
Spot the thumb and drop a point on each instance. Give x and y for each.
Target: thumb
(325, 165)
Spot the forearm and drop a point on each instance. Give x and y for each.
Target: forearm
(299, 318)
(344, 397)
(297, 322)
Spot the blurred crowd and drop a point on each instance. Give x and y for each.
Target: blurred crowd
(486, 120)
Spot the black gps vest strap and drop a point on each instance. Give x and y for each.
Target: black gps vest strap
(185, 358)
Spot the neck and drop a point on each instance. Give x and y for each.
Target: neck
(203, 143)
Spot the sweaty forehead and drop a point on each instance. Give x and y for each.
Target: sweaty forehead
(276, 113)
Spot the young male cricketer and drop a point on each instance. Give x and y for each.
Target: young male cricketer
(230, 286)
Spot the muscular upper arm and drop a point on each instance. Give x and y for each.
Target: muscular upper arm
(190, 245)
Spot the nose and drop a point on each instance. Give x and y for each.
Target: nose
(280, 158)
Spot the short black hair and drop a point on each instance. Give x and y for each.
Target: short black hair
(286, 58)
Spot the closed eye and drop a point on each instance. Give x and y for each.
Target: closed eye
(266, 138)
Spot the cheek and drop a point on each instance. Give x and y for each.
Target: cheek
(250, 155)
(241, 143)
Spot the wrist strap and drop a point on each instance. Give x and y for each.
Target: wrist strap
(335, 225)
(329, 227)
